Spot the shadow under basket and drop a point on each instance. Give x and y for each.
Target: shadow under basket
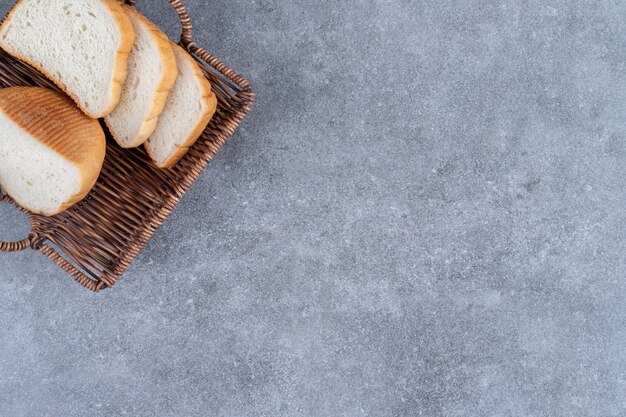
(96, 240)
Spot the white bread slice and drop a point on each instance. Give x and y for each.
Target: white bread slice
(189, 108)
(81, 45)
(51, 153)
(151, 76)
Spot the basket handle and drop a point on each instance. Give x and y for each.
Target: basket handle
(186, 37)
(31, 242)
(186, 40)
(13, 246)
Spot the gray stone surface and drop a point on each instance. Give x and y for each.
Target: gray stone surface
(423, 216)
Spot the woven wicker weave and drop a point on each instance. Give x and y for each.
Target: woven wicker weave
(97, 239)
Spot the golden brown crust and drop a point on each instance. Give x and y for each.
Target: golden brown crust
(120, 68)
(210, 102)
(168, 79)
(126, 45)
(55, 121)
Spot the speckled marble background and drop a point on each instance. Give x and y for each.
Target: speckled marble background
(424, 215)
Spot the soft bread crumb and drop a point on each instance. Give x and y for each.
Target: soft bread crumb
(151, 75)
(82, 45)
(189, 108)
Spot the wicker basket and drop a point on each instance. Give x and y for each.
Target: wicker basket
(97, 239)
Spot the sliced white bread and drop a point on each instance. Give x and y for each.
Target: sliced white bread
(151, 76)
(189, 108)
(81, 45)
(51, 153)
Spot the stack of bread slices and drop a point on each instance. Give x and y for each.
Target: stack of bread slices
(114, 64)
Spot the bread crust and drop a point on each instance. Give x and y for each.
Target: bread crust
(168, 79)
(210, 104)
(57, 123)
(126, 45)
(127, 34)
